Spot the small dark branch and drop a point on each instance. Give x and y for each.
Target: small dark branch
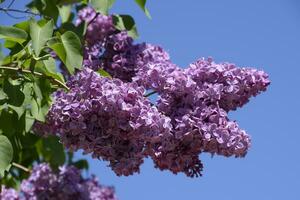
(94, 18)
(11, 3)
(24, 71)
(150, 93)
(12, 16)
(20, 167)
(6, 10)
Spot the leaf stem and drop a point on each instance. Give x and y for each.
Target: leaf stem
(20, 167)
(25, 71)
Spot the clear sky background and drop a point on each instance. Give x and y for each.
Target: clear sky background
(261, 33)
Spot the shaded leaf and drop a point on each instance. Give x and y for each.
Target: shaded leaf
(81, 164)
(15, 95)
(6, 154)
(125, 22)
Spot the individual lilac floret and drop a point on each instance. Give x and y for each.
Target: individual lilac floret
(237, 84)
(110, 119)
(67, 184)
(8, 194)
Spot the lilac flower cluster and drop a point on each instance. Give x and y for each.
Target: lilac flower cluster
(8, 194)
(123, 59)
(236, 85)
(197, 100)
(67, 184)
(98, 29)
(110, 119)
(112, 50)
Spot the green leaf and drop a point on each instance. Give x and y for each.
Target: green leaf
(1, 54)
(19, 110)
(15, 95)
(81, 164)
(73, 49)
(40, 35)
(25, 25)
(64, 2)
(13, 34)
(142, 5)
(52, 150)
(65, 12)
(104, 73)
(6, 154)
(102, 6)
(49, 69)
(8, 121)
(125, 22)
(29, 123)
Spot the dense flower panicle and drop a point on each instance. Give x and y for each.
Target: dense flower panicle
(67, 184)
(123, 59)
(237, 85)
(40, 184)
(197, 105)
(98, 29)
(8, 194)
(99, 192)
(110, 119)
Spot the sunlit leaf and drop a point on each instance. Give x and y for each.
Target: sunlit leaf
(104, 73)
(102, 6)
(13, 34)
(40, 35)
(65, 12)
(142, 5)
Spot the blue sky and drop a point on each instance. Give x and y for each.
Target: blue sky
(261, 33)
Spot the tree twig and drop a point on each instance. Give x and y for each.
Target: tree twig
(11, 3)
(6, 10)
(20, 167)
(25, 71)
(150, 93)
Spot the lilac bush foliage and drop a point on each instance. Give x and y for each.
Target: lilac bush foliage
(67, 184)
(112, 120)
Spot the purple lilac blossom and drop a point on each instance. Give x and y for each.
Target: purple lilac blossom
(192, 110)
(67, 184)
(98, 29)
(9, 194)
(237, 84)
(197, 100)
(123, 59)
(110, 119)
